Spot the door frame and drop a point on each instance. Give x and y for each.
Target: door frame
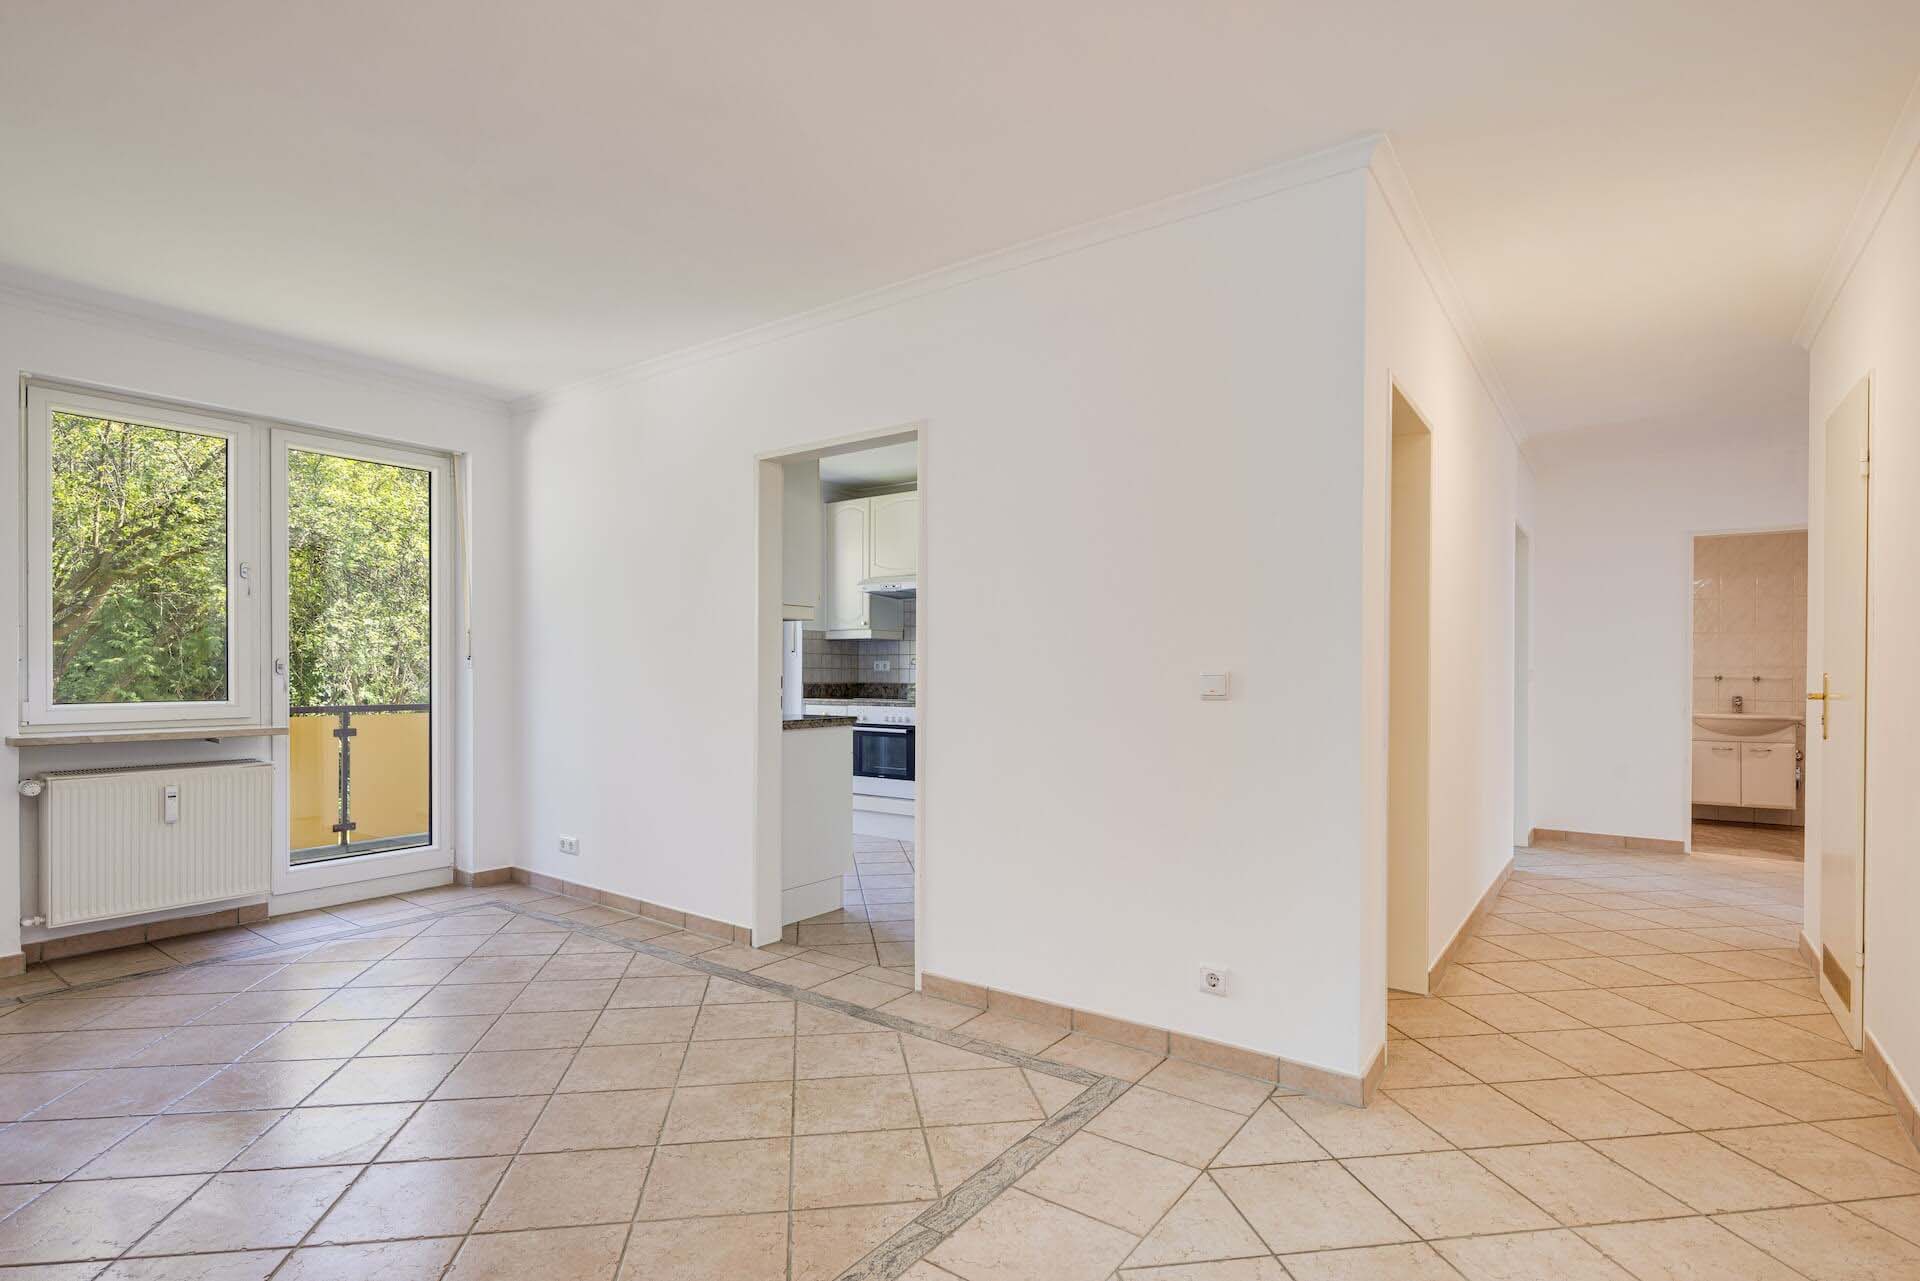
(380, 865)
(769, 582)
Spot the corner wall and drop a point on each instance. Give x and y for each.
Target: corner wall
(84, 343)
(1479, 495)
(1144, 450)
(1874, 328)
(1618, 508)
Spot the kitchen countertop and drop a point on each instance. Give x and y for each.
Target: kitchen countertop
(863, 702)
(818, 722)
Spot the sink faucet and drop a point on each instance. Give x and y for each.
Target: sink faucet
(1739, 704)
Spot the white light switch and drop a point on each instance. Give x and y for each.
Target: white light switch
(1215, 685)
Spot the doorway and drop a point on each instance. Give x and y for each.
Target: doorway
(1409, 606)
(1522, 682)
(360, 630)
(1840, 694)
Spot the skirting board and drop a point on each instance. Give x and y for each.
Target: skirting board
(12, 965)
(1897, 1092)
(484, 877)
(106, 940)
(1556, 838)
(1336, 1087)
(1465, 931)
(741, 934)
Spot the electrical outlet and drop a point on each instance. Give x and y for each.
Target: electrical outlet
(1213, 980)
(882, 665)
(569, 845)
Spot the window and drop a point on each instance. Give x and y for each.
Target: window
(140, 593)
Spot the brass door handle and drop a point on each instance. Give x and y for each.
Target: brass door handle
(1823, 698)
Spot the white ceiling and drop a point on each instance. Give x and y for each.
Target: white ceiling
(872, 468)
(1637, 197)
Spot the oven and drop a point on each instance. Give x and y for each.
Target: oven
(883, 759)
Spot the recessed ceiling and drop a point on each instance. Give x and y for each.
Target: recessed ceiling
(1636, 197)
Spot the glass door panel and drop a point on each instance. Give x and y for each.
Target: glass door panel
(359, 640)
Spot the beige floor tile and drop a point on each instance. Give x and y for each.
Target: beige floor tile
(1799, 1094)
(1595, 1052)
(421, 1260)
(1019, 1237)
(464, 1000)
(1167, 1125)
(568, 1189)
(1881, 1135)
(196, 1144)
(1500, 1057)
(1821, 1163)
(644, 1025)
(871, 993)
(1110, 1181)
(85, 1049)
(1708, 1177)
(1411, 1065)
(249, 1087)
(698, 1179)
(735, 1062)
(749, 1247)
(325, 1136)
(710, 1113)
(1375, 1263)
(861, 1169)
(252, 1211)
(1053, 1092)
(959, 1151)
(499, 1073)
(1445, 1194)
(1827, 1244)
(856, 1054)
(401, 1078)
(1227, 1090)
(623, 1067)
(1529, 1256)
(633, 993)
(827, 1242)
(1850, 1072)
(923, 1055)
(1514, 1012)
(1694, 1101)
(412, 1198)
(543, 1031)
(576, 1253)
(1310, 1205)
(1685, 1250)
(222, 1043)
(1588, 1108)
(44, 1151)
(975, 1098)
(1203, 1225)
(841, 1104)
(1577, 1185)
(1688, 1046)
(88, 1220)
(752, 1021)
(1016, 1034)
(1381, 1128)
(464, 1128)
(1423, 1017)
(1898, 1215)
(1265, 1268)
(1104, 1057)
(1270, 1137)
(1475, 1116)
(235, 1265)
(615, 1119)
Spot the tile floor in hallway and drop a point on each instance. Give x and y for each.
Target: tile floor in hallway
(1627, 1075)
(1748, 838)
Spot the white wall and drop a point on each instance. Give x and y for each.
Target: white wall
(1874, 327)
(54, 338)
(1617, 509)
(1479, 495)
(1143, 451)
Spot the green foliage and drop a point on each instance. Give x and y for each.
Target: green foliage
(139, 525)
(359, 581)
(139, 547)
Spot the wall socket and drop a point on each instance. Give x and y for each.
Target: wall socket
(882, 665)
(1213, 980)
(569, 845)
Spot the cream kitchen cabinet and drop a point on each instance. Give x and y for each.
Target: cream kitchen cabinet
(847, 612)
(893, 545)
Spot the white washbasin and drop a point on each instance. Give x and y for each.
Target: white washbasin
(1741, 726)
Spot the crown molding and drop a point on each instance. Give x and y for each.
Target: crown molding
(1299, 171)
(1398, 193)
(1896, 158)
(55, 297)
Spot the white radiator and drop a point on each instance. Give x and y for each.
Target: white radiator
(118, 842)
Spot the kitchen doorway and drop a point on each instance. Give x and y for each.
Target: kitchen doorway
(1409, 606)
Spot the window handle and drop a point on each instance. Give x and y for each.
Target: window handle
(246, 576)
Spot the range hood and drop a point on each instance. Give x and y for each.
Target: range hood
(904, 586)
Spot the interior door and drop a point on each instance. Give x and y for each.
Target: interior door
(1841, 700)
(361, 638)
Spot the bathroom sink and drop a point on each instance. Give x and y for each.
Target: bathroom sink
(1741, 726)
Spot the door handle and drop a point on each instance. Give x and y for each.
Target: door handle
(1824, 697)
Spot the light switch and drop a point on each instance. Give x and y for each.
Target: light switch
(1215, 685)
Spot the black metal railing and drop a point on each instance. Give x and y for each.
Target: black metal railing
(346, 732)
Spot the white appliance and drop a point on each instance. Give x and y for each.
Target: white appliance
(885, 765)
(793, 693)
(902, 588)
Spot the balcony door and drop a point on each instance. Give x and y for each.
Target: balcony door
(360, 670)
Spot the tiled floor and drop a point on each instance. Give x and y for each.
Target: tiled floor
(1627, 1075)
(875, 922)
(1748, 838)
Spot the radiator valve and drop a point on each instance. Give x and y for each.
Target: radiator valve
(32, 787)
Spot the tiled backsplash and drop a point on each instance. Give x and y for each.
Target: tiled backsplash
(850, 662)
(1750, 619)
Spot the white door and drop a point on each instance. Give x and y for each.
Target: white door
(362, 636)
(1840, 697)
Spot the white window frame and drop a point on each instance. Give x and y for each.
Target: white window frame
(247, 585)
(350, 869)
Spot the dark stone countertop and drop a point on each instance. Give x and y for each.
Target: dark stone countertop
(818, 722)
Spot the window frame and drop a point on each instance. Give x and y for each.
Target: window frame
(247, 582)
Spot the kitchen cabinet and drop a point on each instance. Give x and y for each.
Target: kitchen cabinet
(893, 544)
(1716, 773)
(800, 555)
(848, 613)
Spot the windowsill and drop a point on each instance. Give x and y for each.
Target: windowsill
(171, 734)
